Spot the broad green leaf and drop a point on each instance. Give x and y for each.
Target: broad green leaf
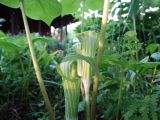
(19, 41)
(70, 6)
(45, 10)
(94, 4)
(9, 46)
(40, 40)
(10, 3)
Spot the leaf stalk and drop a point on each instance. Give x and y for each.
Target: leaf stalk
(35, 64)
(99, 57)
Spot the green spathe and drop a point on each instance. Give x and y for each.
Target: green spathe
(88, 47)
(71, 86)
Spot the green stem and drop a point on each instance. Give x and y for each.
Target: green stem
(24, 91)
(119, 96)
(83, 9)
(99, 56)
(35, 64)
(134, 23)
(153, 76)
(22, 66)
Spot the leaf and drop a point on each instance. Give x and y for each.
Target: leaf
(75, 57)
(70, 6)
(94, 4)
(144, 60)
(45, 10)
(52, 82)
(9, 46)
(10, 3)
(37, 9)
(152, 47)
(148, 64)
(134, 7)
(40, 40)
(17, 40)
(114, 60)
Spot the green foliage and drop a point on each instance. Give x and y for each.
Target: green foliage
(16, 72)
(94, 4)
(7, 46)
(129, 74)
(45, 10)
(70, 6)
(2, 34)
(145, 108)
(10, 3)
(153, 3)
(131, 44)
(152, 47)
(134, 7)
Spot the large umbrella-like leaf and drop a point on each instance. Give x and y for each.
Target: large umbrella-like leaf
(45, 10)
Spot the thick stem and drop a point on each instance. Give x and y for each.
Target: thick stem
(103, 31)
(94, 97)
(99, 56)
(35, 64)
